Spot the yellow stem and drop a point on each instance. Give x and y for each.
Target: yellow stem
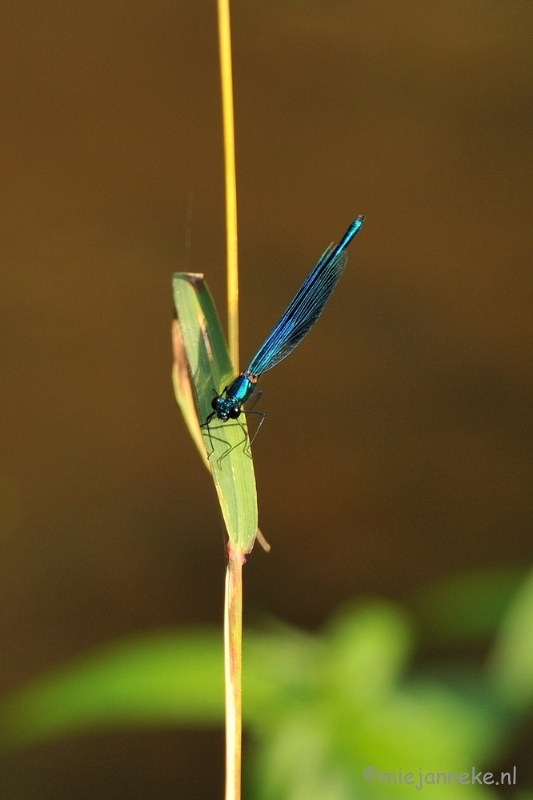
(233, 598)
(233, 672)
(224, 32)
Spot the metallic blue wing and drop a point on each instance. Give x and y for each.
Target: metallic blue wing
(306, 306)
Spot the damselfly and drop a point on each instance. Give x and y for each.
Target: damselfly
(297, 320)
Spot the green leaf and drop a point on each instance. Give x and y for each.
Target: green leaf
(511, 665)
(169, 678)
(368, 647)
(157, 680)
(226, 443)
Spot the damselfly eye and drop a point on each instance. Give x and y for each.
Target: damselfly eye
(214, 403)
(234, 412)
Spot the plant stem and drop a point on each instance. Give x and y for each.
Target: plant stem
(236, 558)
(233, 671)
(224, 32)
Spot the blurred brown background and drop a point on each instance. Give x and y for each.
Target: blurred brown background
(397, 446)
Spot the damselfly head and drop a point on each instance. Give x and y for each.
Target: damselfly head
(225, 408)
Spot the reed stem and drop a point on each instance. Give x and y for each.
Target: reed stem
(233, 671)
(224, 32)
(233, 594)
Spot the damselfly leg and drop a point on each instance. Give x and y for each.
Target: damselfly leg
(246, 440)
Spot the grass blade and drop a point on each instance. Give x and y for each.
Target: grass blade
(210, 370)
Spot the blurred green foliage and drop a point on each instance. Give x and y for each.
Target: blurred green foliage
(321, 709)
